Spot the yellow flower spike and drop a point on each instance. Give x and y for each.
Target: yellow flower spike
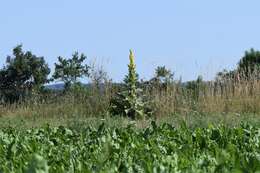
(131, 57)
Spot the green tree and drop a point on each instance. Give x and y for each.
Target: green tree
(163, 74)
(69, 70)
(248, 68)
(163, 77)
(250, 63)
(22, 73)
(226, 75)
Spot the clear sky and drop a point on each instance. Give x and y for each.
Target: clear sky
(189, 37)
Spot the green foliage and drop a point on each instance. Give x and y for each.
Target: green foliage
(78, 91)
(163, 75)
(250, 63)
(129, 102)
(157, 148)
(37, 165)
(69, 70)
(226, 75)
(163, 78)
(23, 72)
(248, 68)
(125, 105)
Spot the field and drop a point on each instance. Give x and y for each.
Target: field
(158, 125)
(206, 128)
(156, 148)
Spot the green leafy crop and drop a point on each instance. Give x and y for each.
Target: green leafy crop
(162, 148)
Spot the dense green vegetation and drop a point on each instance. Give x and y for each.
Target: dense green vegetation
(22, 90)
(161, 148)
(23, 77)
(23, 73)
(211, 126)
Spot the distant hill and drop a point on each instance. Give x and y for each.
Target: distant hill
(59, 86)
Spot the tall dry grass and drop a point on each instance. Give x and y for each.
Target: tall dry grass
(235, 94)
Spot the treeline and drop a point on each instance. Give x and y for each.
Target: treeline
(24, 75)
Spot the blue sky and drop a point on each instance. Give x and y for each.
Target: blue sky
(189, 37)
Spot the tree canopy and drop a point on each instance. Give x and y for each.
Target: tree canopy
(69, 70)
(248, 68)
(23, 71)
(250, 63)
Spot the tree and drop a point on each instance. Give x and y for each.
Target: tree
(250, 63)
(163, 74)
(69, 70)
(163, 77)
(248, 68)
(226, 75)
(23, 72)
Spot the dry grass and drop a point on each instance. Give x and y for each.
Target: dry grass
(226, 96)
(220, 100)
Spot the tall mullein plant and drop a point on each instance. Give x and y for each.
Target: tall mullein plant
(129, 102)
(132, 79)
